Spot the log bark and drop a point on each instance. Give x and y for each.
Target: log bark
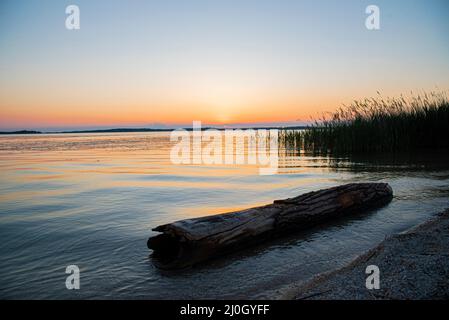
(187, 242)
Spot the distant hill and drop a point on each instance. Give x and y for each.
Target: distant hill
(20, 132)
(141, 130)
(115, 130)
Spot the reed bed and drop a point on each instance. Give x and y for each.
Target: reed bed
(417, 122)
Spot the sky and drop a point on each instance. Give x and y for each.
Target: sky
(166, 63)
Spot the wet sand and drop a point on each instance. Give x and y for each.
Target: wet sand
(413, 265)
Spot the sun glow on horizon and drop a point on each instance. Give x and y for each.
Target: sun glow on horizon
(224, 63)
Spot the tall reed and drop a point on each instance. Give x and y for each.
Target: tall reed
(417, 122)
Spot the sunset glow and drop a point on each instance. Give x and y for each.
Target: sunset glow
(222, 63)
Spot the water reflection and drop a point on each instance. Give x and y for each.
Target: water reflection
(91, 200)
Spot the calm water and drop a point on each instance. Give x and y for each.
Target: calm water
(91, 200)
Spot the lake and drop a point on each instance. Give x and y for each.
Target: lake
(92, 199)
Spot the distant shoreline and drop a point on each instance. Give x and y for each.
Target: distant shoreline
(124, 130)
(21, 132)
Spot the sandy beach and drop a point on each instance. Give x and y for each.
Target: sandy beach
(413, 265)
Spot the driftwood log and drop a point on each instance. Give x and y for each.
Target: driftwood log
(187, 242)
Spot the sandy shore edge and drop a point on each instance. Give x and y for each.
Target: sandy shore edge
(413, 265)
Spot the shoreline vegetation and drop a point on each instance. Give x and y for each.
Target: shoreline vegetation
(413, 123)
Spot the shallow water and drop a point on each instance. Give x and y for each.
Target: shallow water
(92, 199)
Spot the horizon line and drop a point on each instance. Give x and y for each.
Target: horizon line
(151, 127)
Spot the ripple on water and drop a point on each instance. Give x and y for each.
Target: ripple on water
(91, 200)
